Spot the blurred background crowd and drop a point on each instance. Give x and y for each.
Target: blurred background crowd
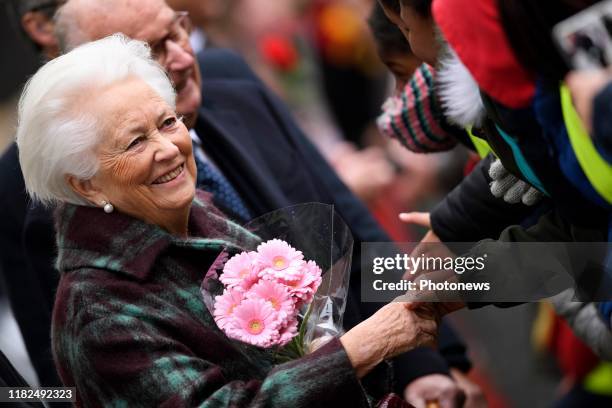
(324, 58)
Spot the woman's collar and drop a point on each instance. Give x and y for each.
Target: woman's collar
(89, 238)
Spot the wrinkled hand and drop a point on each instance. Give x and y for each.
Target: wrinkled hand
(584, 87)
(434, 388)
(393, 330)
(435, 310)
(474, 397)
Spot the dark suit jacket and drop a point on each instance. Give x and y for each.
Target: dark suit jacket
(30, 290)
(252, 138)
(9, 377)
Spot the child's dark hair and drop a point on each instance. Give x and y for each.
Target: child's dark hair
(422, 7)
(393, 5)
(389, 39)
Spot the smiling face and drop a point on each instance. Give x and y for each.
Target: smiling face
(147, 168)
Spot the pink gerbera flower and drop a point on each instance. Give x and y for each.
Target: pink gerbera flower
(288, 332)
(313, 270)
(305, 283)
(240, 271)
(279, 297)
(279, 259)
(256, 322)
(224, 307)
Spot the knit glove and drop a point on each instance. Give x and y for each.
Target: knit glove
(512, 189)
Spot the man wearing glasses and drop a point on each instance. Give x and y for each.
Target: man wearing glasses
(37, 22)
(250, 153)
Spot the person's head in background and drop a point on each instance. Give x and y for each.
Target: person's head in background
(414, 88)
(528, 26)
(37, 22)
(393, 49)
(414, 18)
(152, 21)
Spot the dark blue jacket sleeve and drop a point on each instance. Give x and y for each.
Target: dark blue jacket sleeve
(602, 126)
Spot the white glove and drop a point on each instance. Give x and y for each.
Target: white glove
(512, 189)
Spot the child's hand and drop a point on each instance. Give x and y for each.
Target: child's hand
(584, 87)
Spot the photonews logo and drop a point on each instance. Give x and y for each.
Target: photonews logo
(412, 264)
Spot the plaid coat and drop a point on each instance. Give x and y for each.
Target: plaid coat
(130, 328)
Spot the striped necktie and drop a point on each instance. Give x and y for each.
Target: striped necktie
(224, 195)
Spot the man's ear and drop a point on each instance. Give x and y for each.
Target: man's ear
(40, 28)
(86, 190)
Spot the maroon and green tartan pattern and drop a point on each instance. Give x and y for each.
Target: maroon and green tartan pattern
(130, 328)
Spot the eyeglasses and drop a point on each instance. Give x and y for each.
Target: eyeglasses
(179, 33)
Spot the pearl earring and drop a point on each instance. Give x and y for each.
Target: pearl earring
(108, 207)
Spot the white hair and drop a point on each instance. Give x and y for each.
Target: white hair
(55, 137)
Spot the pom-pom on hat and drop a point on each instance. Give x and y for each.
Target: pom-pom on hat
(474, 31)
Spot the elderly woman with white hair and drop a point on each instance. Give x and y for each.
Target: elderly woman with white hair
(98, 138)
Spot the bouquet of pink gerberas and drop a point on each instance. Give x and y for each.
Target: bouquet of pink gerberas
(286, 290)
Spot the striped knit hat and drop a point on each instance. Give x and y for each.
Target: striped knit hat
(414, 117)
